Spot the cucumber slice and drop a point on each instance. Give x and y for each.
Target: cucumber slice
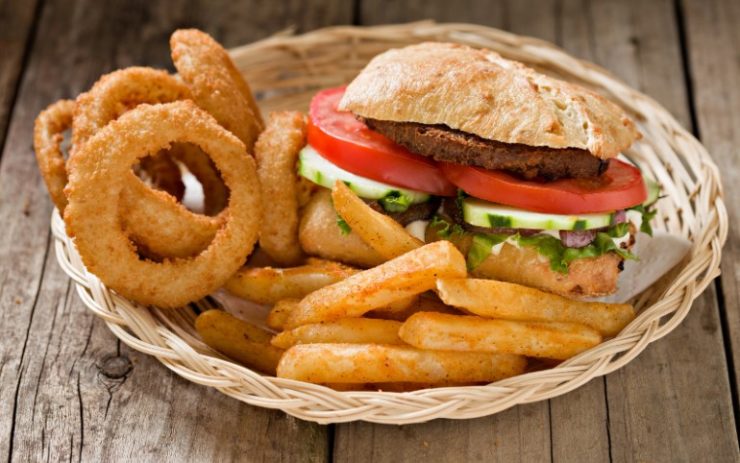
(653, 191)
(484, 214)
(319, 170)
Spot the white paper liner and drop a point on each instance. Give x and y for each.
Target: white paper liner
(657, 256)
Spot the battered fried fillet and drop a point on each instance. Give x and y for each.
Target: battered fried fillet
(444, 144)
(588, 277)
(320, 235)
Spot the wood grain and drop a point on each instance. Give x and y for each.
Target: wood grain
(516, 435)
(713, 49)
(656, 402)
(17, 18)
(68, 389)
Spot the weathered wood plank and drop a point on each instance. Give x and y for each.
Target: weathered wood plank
(16, 23)
(654, 404)
(68, 389)
(639, 42)
(520, 434)
(679, 385)
(713, 40)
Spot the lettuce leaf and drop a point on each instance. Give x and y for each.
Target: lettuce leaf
(446, 229)
(648, 214)
(480, 248)
(344, 226)
(395, 201)
(552, 248)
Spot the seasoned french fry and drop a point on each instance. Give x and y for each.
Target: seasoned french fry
(346, 330)
(427, 302)
(429, 330)
(496, 299)
(320, 235)
(397, 310)
(382, 233)
(374, 363)
(280, 312)
(239, 340)
(267, 285)
(405, 276)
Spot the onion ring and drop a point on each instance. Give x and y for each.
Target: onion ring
(215, 193)
(216, 83)
(161, 172)
(158, 171)
(98, 173)
(47, 141)
(276, 152)
(115, 93)
(155, 221)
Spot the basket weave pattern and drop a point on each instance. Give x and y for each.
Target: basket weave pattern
(285, 71)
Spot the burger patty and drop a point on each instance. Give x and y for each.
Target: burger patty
(421, 211)
(445, 144)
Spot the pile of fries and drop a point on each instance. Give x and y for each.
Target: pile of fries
(414, 321)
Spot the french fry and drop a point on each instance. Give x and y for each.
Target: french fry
(382, 233)
(397, 310)
(374, 363)
(496, 299)
(405, 276)
(267, 285)
(279, 313)
(427, 302)
(320, 235)
(239, 340)
(346, 330)
(436, 331)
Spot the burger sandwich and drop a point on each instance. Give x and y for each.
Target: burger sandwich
(520, 170)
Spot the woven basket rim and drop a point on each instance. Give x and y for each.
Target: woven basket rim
(149, 330)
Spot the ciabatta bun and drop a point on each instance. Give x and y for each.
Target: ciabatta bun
(481, 93)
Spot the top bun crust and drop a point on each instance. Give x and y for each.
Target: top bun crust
(479, 92)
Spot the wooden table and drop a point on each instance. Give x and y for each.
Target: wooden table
(69, 391)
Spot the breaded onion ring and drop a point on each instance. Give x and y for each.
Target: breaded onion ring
(215, 193)
(158, 171)
(161, 172)
(155, 221)
(276, 152)
(118, 92)
(47, 140)
(216, 83)
(101, 168)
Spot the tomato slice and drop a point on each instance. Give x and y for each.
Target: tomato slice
(351, 145)
(620, 187)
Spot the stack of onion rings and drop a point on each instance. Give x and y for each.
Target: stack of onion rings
(119, 191)
(99, 172)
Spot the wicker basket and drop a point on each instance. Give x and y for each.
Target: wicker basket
(285, 71)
